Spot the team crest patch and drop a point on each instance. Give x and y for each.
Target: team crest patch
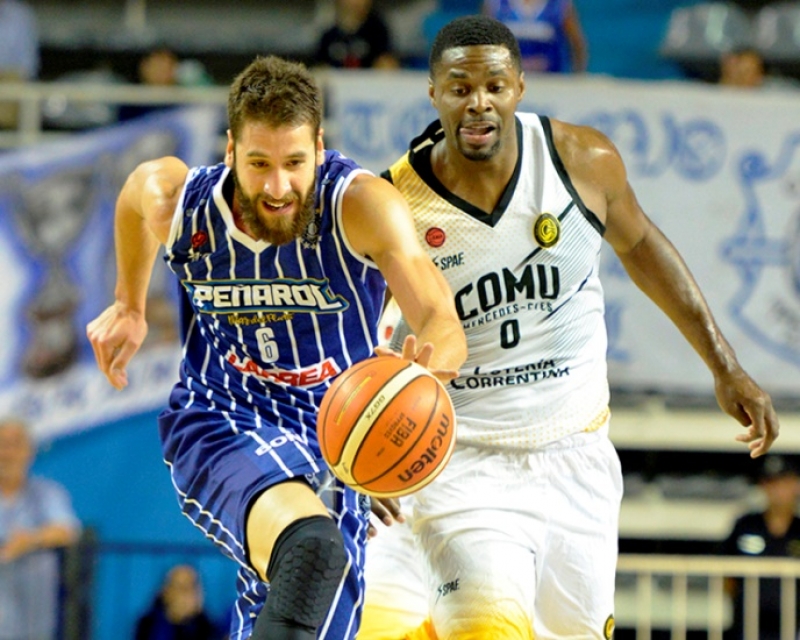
(435, 237)
(608, 628)
(546, 230)
(199, 239)
(310, 237)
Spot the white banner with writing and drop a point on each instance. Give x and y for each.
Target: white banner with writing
(717, 169)
(57, 270)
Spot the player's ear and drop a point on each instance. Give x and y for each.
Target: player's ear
(229, 150)
(431, 91)
(320, 151)
(521, 84)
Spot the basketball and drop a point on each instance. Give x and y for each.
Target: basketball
(386, 427)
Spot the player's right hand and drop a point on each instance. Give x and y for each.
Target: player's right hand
(739, 396)
(421, 356)
(116, 335)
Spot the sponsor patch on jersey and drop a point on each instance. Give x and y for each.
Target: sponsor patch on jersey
(449, 261)
(199, 239)
(435, 237)
(446, 588)
(258, 296)
(306, 377)
(608, 628)
(546, 230)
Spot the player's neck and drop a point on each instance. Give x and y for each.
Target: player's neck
(479, 182)
(237, 217)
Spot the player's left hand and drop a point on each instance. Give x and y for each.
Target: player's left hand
(421, 356)
(739, 396)
(387, 510)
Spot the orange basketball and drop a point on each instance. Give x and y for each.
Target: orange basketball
(386, 427)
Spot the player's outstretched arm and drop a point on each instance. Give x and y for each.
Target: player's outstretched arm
(658, 270)
(378, 224)
(143, 216)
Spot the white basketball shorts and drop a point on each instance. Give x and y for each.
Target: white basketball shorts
(514, 545)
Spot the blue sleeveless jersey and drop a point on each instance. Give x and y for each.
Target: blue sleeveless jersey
(539, 31)
(268, 327)
(265, 330)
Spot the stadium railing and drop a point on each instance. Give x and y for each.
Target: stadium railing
(32, 97)
(659, 596)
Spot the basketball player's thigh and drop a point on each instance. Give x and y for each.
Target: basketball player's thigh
(575, 592)
(482, 576)
(216, 484)
(395, 603)
(477, 536)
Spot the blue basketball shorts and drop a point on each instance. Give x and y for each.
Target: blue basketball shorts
(220, 461)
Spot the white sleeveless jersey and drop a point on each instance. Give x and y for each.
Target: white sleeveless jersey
(527, 291)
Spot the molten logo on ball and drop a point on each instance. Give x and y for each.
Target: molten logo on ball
(386, 427)
(430, 454)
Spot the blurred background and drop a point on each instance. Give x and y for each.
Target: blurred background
(702, 99)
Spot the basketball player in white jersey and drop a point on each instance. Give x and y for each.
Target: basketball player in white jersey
(518, 536)
(283, 252)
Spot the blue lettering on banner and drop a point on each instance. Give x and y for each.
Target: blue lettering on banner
(701, 153)
(411, 123)
(696, 149)
(376, 130)
(766, 252)
(360, 124)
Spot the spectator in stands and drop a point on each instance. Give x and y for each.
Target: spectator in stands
(19, 51)
(773, 532)
(177, 611)
(549, 33)
(161, 67)
(358, 39)
(742, 68)
(36, 517)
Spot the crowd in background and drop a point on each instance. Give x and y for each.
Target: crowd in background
(358, 34)
(553, 39)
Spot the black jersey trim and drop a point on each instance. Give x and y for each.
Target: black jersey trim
(387, 175)
(590, 216)
(419, 157)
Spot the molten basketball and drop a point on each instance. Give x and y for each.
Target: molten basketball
(386, 427)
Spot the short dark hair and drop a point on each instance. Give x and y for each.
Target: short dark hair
(468, 31)
(275, 91)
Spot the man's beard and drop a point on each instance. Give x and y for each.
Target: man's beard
(479, 155)
(276, 230)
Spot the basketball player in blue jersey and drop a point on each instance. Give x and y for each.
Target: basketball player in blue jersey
(518, 535)
(283, 252)
(548, 32)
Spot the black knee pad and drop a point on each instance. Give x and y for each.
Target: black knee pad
(305, 570)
